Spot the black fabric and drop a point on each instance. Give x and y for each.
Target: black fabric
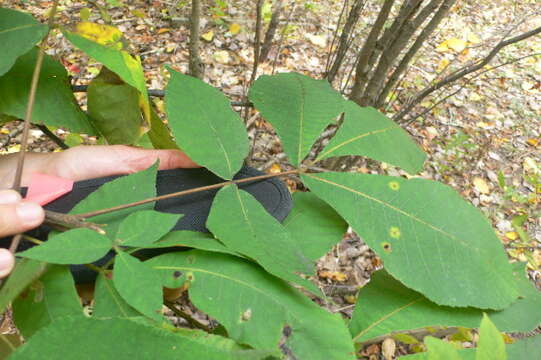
(271, 193)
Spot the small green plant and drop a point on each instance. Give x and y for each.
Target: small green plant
(443, 264)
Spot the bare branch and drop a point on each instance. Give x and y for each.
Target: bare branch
(463, 72)
(195, 60)
(367, 50)
(257, 39)
(271, 31)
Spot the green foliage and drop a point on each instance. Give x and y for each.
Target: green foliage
(113, 106)
(55, 104)
(427, 221)
(367, 132)
(204, 125)
(264, 239)
(77, 246)
(50, 298)
(443, 263)
(254, 306)
(385, 305)
(298, 107)
(19, 32)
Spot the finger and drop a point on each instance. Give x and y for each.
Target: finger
(7, 261)
(19, 217)
(87, 162)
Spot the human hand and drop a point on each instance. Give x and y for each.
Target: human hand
(16, 216)
(87, 162)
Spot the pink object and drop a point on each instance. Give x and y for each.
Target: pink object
(44, 189)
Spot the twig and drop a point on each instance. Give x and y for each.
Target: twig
(182, 193)
(70, 221)
(28, 116)
(271, 31)
(291, 11)
(186, 317)
(195, 61)
(257, 39)
(160, 93)
(51, 135)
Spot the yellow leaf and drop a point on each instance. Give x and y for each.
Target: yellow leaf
(442, 64)
(442, 47)
(14, 148)
(511, 235)
(473, 39)
(475, 96)
(234, 28)
(4, 131)
(533, 142)
(138, 13)
(274, 169)
(102, 34)
(222, 56)
(456, 44)
(481, 185)
(208, 36)
(85, 14)
(163, 30)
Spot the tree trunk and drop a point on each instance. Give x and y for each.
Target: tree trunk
(271, 31)
(195, 60)
(344, 43)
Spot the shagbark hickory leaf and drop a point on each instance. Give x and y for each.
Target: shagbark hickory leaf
(25, 272)
(204, 125)
(48, 299)
(145, 227)
(427, 236)
(55, 104)
(254, 306)
(298, 107)
(130, 276)
(19, 32)
(123, 190)
(367, 132)
(119, 338)
(107, 301)
(386, 306)
(114, 109)
(314, 225)
(239, 221)
(77, 246)
(491, 345)
(192, 239)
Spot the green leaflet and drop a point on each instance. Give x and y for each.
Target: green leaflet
(25, 272)
(426, 234)
(204, 125)
(385, 306)
(19, 32)
(491, 345)
(48, 299)
(120, 191)
(119, 61)
(55, 104)
(239, 221)
(159, 133)
(138, 284)
(107, 301)
(193, 239)
(367, 132)
(314, 225)
(254, 306)
(440, 350)
(114, 109)
(116, 338)
(77, 246)
(144, 227)
(298, 107)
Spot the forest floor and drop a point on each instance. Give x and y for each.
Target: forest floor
(484, 141)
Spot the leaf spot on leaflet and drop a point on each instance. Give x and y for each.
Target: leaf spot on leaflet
(247, 315)
(386, 247)
(394, 232)
(177, 274)
(394, 185)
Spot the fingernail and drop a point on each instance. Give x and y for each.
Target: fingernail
(29, 213)
(9, 197)
(6, 262)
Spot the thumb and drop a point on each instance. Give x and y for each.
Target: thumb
(18, 216)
